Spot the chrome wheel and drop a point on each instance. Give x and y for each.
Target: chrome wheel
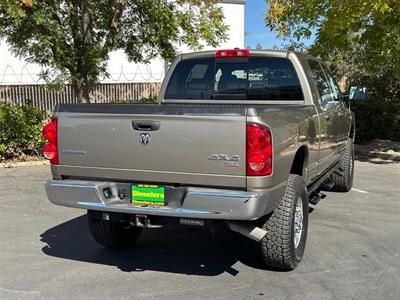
(298, 222)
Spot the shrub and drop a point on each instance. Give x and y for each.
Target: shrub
(378, 116)
(20, 131)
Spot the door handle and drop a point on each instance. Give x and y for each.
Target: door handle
(146, 125)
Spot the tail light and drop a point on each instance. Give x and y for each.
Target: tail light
(259, 150)
(50, 151)
(232, 53)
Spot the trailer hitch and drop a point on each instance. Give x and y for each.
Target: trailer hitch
(143, 221)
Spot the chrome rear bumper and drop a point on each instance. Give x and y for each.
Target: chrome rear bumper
(186, 202)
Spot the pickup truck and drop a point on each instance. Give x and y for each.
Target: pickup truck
(243, 139)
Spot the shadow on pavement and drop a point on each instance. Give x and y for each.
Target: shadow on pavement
(171, 249)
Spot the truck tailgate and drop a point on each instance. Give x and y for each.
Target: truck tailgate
(186, 144)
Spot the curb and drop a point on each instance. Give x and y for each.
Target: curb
(24, 164)
(378, 154)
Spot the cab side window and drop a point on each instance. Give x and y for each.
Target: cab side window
(321, 82)
(337, 95)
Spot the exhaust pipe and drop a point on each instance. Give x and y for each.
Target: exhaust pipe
(253, 232)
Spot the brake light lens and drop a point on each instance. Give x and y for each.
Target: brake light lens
(258, 150)
(50, 151)
(232, 53)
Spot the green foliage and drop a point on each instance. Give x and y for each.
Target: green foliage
(360, 41)
(20, 131)
(374, 24)
(72, 39)
(379, 115)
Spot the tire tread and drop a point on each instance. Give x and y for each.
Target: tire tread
(277, 246)
(344, 183)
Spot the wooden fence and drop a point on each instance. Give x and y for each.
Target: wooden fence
(44, 99)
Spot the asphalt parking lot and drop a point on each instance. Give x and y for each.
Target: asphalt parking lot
(353, 250)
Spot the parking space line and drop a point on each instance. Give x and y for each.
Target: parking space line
(360, 191)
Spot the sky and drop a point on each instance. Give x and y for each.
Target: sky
(257, 31)
(254, 26)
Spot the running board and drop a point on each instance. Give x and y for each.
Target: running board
(327, 184)
(316, 184)
(315, 197)
(339, 172)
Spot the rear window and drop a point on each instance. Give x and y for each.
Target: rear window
(254, 78)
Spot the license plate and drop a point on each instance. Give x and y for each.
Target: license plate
(143, 194)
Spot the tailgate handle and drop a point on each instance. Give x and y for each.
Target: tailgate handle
(146, 125)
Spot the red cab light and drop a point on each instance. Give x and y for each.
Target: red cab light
(50, 151)
(258, 150)
(232, 53)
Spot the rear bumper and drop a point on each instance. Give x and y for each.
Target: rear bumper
(186, 202)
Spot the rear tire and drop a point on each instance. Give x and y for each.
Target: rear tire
(344, 183)
(284, 244)
(112, 234)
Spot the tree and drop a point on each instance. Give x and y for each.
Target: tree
(71, 39)
(373, 24)
(360, 40)
(258, 46)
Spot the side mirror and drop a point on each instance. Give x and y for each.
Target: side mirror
(357, 93)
